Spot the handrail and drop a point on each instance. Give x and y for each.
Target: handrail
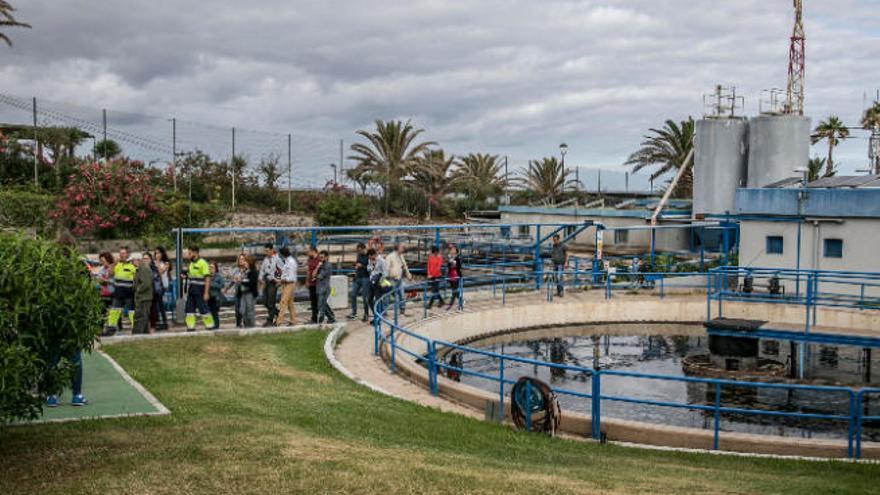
(524, 280)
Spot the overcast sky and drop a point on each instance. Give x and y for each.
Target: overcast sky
(505, 76)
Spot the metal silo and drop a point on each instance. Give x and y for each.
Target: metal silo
(720, 154)
(778, 144)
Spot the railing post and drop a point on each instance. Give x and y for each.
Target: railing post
(851, 424)
(393, 347)
(717, 415)
(608, 285)
(596, 406)
(709, 277)
(377, 334)
(396, 308)
(425, 300)
(527, 406)
(574, 282)
(461, 293)
(858, 432)
(432, 367)
(501, 391)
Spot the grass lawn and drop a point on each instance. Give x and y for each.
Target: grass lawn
(267, 414)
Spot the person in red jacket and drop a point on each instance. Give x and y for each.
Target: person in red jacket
(435, 273)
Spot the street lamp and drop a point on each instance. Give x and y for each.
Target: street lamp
(563, 149)
(333, 166)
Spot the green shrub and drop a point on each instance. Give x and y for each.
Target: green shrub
(341, 210)
(49, 309)
(22, 209)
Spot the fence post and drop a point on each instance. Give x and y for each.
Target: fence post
(377, 334)
(858, 432)
(461, 293)
(432, 367)
(425, 300)
(396, 308)
(717, 415)
(501, 391)
(709, 277)
(596, 406)
(527, 406)
(393, 347)
(851, 424)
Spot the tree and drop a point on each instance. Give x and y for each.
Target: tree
(431, 177)
(49, 310)
(480, 175)
(270, 171)
(391, 152)
(666, 148)
(548, 179)
(814, 168)
(871, 122)
(8, 20)
(362, 175)
(833, 130)
(871, 117)
(107, 149)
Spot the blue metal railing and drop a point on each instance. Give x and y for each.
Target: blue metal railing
(506, 279)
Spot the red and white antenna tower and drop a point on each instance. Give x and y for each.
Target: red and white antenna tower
(794, 95)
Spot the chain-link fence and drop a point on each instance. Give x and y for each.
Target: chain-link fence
(296, 160)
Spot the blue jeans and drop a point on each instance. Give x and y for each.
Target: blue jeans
(558, 269)
(360, 287)
(399, 294)
(76, 380)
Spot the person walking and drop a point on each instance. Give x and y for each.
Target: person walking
(198, 274)
(123, 295)
(163, 266)
(361, 284)
(377, 269)
(270, 277)
(314, 263)
(453, 275)
(397, 271)
(288, 287)
(322, 285)
(435, 273)
(143, 294)
(216, 298)
(246, 289)
(559, 258)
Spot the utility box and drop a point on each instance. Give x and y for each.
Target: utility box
(338, 292)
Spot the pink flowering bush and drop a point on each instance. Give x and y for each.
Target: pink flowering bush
(110, 198)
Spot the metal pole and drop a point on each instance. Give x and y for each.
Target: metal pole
(341, 166)
(104, 113)
(289, 173)
(36, 146)
(174, 153)
(232, 162)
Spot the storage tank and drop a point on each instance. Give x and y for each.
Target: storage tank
(778, 144)
(720, 163)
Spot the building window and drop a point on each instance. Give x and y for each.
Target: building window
(834, 248)
(570, 230)
(524, 230)
(774, 244)
(621, 236)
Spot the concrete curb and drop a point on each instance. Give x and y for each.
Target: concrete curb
(330, 352)
(116, 339)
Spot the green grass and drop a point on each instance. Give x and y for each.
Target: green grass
(267, 414)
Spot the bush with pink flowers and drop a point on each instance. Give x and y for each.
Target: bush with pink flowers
(112, 198)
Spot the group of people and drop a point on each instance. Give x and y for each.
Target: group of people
(133, 285)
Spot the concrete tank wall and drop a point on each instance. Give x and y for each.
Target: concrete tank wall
(778, 144)
(720, 164)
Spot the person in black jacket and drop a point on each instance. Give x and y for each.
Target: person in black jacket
(453, 275)
(246, 289)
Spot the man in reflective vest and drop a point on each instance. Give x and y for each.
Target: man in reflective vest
(123, 295)
(199, 276)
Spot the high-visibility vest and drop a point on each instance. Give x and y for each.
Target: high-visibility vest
(123, 274)
(198, 271)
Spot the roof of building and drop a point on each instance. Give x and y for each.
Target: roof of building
(833, 182)
(819, 202)
(643, 213)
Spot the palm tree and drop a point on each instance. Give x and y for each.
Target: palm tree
(8, 20)
(430, 175)
(480, 175)
(666, 148)
(391, 152)
(361, 175)
(833, 130)
(814, 168)
(547, 178)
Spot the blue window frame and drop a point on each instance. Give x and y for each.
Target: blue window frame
(774, 244)
(834, 248)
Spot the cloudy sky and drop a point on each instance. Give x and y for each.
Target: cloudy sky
(506, 76)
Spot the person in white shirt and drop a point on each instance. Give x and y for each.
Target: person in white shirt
(397, 271)
(288, 287)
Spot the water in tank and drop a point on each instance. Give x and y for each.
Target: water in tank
(720, 154)
(778, 144)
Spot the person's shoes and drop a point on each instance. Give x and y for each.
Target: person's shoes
(108, 331)
(78, 400)
(190, 329)
(52, 401)
(352, 316)
(402, 313)
(269, 323)
(331, 322)
(364, 319)
(560, 294)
